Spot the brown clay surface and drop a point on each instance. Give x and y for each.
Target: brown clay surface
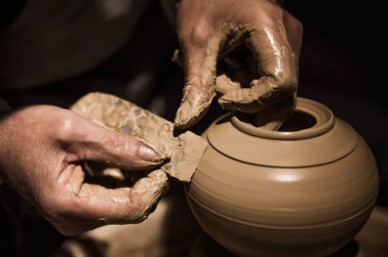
(182, 153)
(267, 193)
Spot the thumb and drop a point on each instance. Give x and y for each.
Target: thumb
(88, 206)
(199, 53)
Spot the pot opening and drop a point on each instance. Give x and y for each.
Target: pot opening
(298, 121)
(309, 119)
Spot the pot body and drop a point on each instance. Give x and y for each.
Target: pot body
(305, 192)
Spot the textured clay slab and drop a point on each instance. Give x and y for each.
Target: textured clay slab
(183, 152)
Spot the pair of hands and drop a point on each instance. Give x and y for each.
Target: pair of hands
(43, 148)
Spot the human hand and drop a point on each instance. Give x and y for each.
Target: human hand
(43, 149)
(207, 30)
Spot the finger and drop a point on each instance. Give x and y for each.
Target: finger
(273, 117)
(258, 97)
(86, 140)
(224, 85)
(199, 52)
(277, 65)
(89, 206)
(294, 30)
(121, 205)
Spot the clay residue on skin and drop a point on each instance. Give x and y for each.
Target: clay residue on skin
(182, 152)
(150, 189)
(194, 105)
(198, 92)
(273, 38)
(224, 84)
(277, 65)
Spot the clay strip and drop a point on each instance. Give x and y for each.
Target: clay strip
(182, 153)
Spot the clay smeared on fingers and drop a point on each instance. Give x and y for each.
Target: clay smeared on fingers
(194, 106)
(150, 189)
(249, 100)
(180, 154)
(224, 85)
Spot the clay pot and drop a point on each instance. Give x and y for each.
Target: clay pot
(305, 190)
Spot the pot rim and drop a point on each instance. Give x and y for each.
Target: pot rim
(323, 116)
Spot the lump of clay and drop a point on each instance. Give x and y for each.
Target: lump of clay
(183, 152)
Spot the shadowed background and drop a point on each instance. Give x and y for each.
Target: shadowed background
(343, 65)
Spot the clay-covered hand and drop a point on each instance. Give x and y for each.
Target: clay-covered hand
(43, 149)
(208, 29)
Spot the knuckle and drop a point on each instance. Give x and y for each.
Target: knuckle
(197, 34)
(117, 148)
(64, 126)
(270, 17)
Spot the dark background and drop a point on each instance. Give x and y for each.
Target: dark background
(343, 65)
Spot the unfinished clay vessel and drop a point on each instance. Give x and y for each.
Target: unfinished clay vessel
(303, 191)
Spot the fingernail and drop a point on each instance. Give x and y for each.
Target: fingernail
(183, 115)
(189, 114)
(147, 153)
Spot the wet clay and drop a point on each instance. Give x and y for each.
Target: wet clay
(182, 153)
(275, 44)
(270, 118)
(302, 191)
